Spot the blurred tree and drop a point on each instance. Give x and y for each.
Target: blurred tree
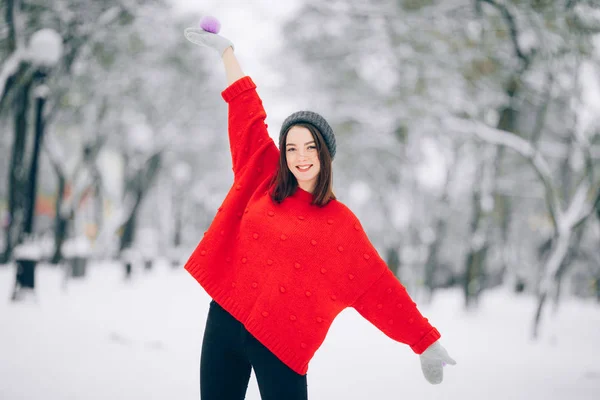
(509, 64)
(76, 22)
(121, 58)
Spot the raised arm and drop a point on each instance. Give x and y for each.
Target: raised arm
(233, 70)
(248, 137)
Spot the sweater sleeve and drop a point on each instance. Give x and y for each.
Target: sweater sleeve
(246, 123)
(384, 301)
(387, 305)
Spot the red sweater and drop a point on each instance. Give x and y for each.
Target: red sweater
(287, 270)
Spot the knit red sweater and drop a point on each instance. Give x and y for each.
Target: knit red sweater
(287, 270)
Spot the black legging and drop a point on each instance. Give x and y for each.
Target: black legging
(229, 352)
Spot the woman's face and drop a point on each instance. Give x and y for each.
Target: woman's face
(303, 157)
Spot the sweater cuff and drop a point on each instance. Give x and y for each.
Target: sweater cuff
(426, 341)
(237, 87)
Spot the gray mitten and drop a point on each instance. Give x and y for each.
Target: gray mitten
(203, 38)
(432, 362)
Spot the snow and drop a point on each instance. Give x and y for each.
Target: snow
(41, 91)
(359, 192)
(104, 337)
(140, 137)
(27, 251)
(589, 108)
(45, 47)
(78, 246)
(431, 171)
(182, 172)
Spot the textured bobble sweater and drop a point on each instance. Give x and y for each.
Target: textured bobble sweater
(285, 271)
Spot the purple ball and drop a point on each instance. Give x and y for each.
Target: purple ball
(210, 24)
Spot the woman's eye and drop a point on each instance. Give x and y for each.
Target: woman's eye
(292, 149)
(312, 147)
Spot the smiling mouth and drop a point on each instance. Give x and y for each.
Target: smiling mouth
(304, 169)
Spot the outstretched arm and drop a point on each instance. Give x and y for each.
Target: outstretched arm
(385, 303)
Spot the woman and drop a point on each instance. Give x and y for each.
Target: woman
(283, 257)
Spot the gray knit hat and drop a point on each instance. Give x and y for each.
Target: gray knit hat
(314, 119)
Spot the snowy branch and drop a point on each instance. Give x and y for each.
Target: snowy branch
(519, 145)
(587, 18)
(54, 153)
(10, 67)
(590, 210)
(512, 26)
(576, 206)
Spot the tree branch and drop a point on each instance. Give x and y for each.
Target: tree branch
(594, 207)
(540, 117)
(514, 34)
(522, 147)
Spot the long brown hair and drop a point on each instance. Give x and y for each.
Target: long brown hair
(284, 183)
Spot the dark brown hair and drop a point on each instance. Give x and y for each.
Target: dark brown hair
(284, 183)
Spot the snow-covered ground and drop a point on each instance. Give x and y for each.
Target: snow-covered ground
(104, 338)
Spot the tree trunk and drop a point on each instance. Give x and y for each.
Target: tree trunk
(60, 222)
(98, 202)
(128, 236)
(560, 247)
(139, 185)
(475, 258)
(432, 258)
(17, 197)
(28, 225)
(573, 249)
(177, 233)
